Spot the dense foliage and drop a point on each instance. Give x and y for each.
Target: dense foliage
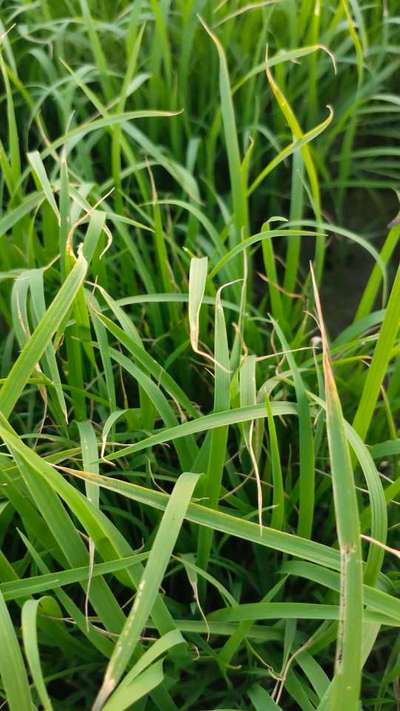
(199, 487)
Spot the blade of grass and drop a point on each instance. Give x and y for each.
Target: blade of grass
(16, 589)
(278, 492)
(197, 285)
(43, 181)
(12, 668)
(240, 208)
(153, 574)
(348, 655)
(380, 360)
(30, 613)
(306, 444)
(211, 487)
(371, 290)
(133, 684)
(139, 688)
(40, 339)
(308, 162)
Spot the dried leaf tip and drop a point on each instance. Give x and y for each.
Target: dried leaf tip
(329, 379)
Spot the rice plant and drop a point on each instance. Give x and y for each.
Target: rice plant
(200, 383)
